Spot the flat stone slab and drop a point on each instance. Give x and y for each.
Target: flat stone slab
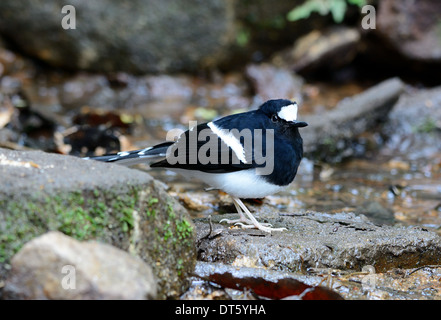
(317, 240)
(86, 199)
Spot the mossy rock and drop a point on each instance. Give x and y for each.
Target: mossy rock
(90, 200)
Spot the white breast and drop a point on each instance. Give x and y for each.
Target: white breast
(241, 184)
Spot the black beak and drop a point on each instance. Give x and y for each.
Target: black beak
(299, 124)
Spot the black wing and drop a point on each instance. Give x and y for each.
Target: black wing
(202, 149)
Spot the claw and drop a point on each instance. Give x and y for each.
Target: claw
(235, 221)
(250, 223)
(260, 227)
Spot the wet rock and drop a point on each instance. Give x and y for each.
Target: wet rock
(265, 278)
(376, 212)
(223, 92)
(413, 29)
(204, 290)
(263, 26)
(318, 240)
(414, 126)
(417, 284)
(124, 207)
(54, 266)
(13, 64)
(85, 89)
(168, 96)
(331, 48)
(133, 36)
(396, 284)
(285, 288)
(149, 96)
(270, 82)
(331, 135)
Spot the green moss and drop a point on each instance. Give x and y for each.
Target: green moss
(167, 231)
(184, 229)
(74, 217)
(330, 144)
(170, 211)
(126, 219)
(243, 37)
(150, 210)
(337, 8)
(80, 215)
(123, 208)
(173, 231)
(427, 126)
(180, 266)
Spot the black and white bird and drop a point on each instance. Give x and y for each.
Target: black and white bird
(247, 155)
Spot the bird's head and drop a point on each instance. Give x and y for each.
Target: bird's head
(283, 112)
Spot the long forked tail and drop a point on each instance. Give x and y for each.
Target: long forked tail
(129, 158)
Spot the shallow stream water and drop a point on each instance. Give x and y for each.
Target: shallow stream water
(387, 192)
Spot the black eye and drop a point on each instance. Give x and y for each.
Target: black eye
(274, 118)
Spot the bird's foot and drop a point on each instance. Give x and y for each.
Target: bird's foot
(247, 220)
(244, 222)
(266, 227)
